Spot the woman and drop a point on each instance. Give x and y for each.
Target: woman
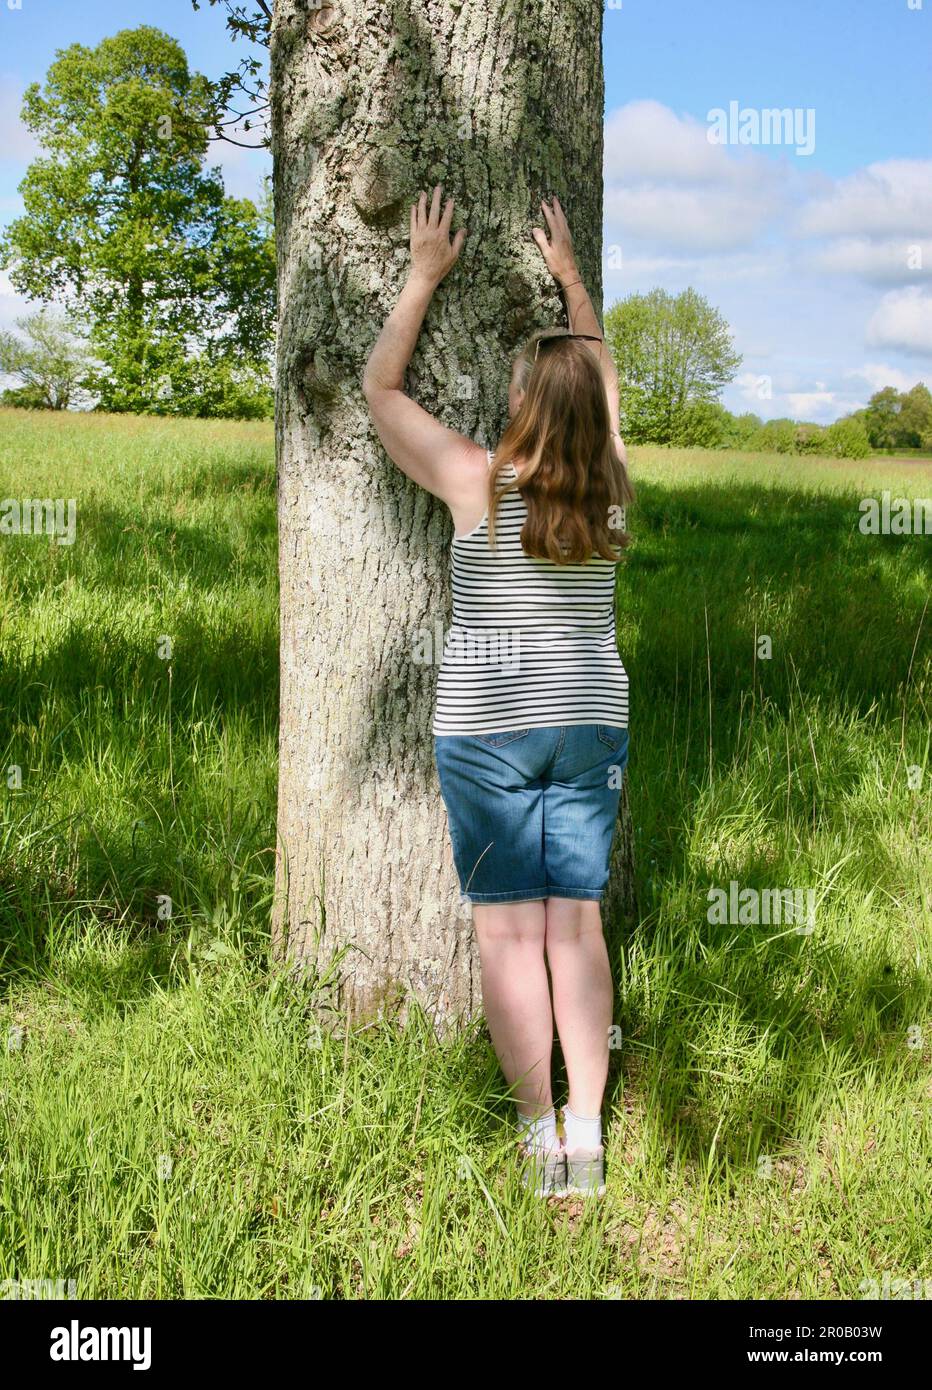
(531, 714)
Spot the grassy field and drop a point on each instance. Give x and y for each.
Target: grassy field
(174, 1125)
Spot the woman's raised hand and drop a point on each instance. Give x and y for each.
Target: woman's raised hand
(558, 251)
(432, 252)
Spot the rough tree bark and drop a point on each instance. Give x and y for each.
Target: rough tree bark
(372, 101)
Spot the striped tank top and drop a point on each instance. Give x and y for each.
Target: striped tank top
(532, 644)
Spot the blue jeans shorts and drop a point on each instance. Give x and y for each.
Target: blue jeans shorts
(532, 812)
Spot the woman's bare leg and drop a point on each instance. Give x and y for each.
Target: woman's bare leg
(582, 997)
(516, 997)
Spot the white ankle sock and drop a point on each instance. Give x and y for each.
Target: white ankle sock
(581, 1133)
(540, 1133)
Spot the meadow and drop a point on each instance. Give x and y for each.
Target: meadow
(175, 1125)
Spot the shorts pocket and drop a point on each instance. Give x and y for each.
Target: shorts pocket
(497, 740)
(611, 735)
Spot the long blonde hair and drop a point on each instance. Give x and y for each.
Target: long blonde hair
(573, 483)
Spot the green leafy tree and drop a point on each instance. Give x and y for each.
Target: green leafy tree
(49, 358)
(742, 429)
(810, 439)
(220, 388)
(704, 425)
(881, 418)
(125, 224)
(898, 420)
(774, 437)
(915, 417)
(672, 352)
(847, 439)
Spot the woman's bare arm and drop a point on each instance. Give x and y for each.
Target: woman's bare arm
(560, 260)
(437, 458)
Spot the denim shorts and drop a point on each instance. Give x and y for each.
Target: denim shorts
(532, 812)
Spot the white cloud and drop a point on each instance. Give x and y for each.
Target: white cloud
(687, 219)
(893, 198)
(891, 262)
(651, 265)
(877, 375)
(812, 404)
(646, 140)
(756, 389)
(792, 256)
(788, 395)
(903, 320)
(667, 184)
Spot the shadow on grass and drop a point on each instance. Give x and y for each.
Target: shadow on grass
(845, 615)
(213, 666)
(99, 702)
(45, 935)
(843, 609)
(119, 552)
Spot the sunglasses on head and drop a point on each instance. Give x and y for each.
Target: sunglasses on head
(561, 338)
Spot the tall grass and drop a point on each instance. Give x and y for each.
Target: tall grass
(177, 1125)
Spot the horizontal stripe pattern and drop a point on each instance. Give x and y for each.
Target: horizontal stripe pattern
(532, 644)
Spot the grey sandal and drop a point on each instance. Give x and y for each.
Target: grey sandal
(585, 1173)
(544, 1170)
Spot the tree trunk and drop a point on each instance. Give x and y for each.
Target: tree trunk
(372, 102)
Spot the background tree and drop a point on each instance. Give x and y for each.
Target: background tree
(916, 418)
(672, 352)
(898, 419)
(704, 425)
(847, 439)
(810, 439)
(50, 359)
(881, 418)
(742, 429)
(370, 103)
(125, 225)
(774, 437)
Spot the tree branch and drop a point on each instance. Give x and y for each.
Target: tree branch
(212, 140)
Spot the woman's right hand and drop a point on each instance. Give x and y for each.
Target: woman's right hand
(558, 251)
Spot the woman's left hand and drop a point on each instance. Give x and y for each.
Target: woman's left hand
(432, 252)
(558, 253)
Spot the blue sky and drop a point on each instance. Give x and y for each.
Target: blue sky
(865, 65)
(821, 261)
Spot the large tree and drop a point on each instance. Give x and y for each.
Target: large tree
(370, 103)
(125, 225)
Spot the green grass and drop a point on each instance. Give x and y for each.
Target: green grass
(175, 1125)
(908, 454)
